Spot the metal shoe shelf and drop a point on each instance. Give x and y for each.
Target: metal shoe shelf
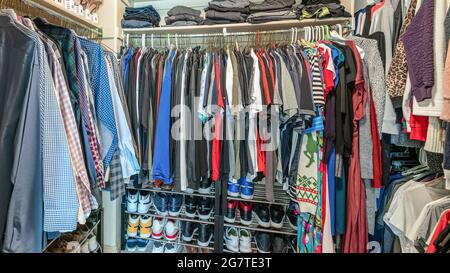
(259, 196)
(151, 189)
(284, 230)
(178, 241)
(181, 217)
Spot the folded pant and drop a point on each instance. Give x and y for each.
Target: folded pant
(262, 17)
(231, 16)
(135, 24)
(271, 5)
(143, 17)
(147, 13)
(245, 10)
(316, 2)
(183, 23)
(230, 4)
(217, 21)
(183, 17)
(178, 10)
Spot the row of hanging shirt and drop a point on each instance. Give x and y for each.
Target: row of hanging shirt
(62, 116)
(327, 104)
(415, 49)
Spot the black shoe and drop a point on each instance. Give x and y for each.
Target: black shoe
(278, 244)
(276, 216)
(190, 204)
(175, 203)
(262, 214)
(230, 215)
(291, 214)
(205, 235)
(188, 230)
(205, 186)
(263, 243)
(205, 208)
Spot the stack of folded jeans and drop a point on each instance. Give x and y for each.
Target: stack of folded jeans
(271, 10)
(183, 16)
(140, 17)
(226, 12)
(320, 9)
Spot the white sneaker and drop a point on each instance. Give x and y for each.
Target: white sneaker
(157, 228)
(93, 244)
(132, 200)
(171, 230)
(171, 248)
(245, 241)
(144, 203)
(232, 239)
(158, 247)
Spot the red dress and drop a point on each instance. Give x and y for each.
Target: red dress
(356, 231)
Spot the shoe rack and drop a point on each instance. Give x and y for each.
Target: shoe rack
(281, 198)
(93, 224)
(181, 218)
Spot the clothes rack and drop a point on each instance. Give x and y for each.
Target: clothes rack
(185, 37)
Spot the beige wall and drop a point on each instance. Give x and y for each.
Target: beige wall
(110, 16)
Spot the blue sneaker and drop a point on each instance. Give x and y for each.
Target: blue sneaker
(142, 244)
(175, 201)
(160, 202)
(132, 244)
(247, 188)
(233, 188)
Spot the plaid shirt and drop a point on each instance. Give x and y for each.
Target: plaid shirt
(67, 41)
(88, 117)
(99, 82)
(116, 181)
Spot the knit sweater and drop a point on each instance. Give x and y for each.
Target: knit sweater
(433, 107)
(418, 43)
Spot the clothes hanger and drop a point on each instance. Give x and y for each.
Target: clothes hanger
(416, 170)
(143, 41)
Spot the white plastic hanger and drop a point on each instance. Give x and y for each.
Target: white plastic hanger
(143, 40)
(128, 40)
(152, 41)
(292, 35)
(168, 39)
(176, 40)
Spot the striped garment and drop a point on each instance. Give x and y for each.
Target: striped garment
(316, 76)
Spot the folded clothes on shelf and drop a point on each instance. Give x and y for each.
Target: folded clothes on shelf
(232, 16)
(183, 16)
(135, 24)
(230, 5)
(267, 16)
(271, 5)
(140, 17)
(321, 10)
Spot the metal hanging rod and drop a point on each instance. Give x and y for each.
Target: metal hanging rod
(223, 34)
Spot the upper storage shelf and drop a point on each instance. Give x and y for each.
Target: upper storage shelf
(240, 27)
(51, 5)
